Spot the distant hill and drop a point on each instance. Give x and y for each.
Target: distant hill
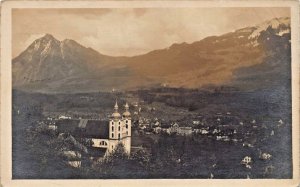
(249, 58)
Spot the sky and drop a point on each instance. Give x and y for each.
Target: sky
(130, 32)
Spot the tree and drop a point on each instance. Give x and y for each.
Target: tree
(46, 153)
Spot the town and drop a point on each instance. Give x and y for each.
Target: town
(156, 136)
(220, 127)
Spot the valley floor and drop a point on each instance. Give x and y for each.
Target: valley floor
(232, 135)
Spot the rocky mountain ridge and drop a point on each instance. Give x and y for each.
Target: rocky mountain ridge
(50, 65)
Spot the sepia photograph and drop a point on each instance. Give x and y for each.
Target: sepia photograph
(150, 90)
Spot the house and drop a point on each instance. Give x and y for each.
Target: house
(245, 144)
(73, 157)
(272, 133)
(280, 123)
(216, 131)
(52, 127)
(185, 131)
(174, 128)
(265, 156)
(165, 128)
(223, 138)
(64, 117)
(144, 122)
(197, 131)
(202, 130)
(247, 160)
(196, 122)
(157, 124)
(157, 130)
(74, 151)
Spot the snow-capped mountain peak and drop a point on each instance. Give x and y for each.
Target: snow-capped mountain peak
(44, 44)
(280, 25)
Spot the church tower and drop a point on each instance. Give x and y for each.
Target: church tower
(120, 129)
(126, 118)
(114, 128)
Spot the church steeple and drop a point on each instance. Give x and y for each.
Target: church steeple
(126, 114)
(116, 106)
(126, 106)
(116, 114)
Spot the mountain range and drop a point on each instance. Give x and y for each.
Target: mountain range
(250, 58)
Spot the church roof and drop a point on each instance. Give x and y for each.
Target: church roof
(82, 123)
(86, 128)
(126, 114)
(67, 125)
(116, 115)
(97, 129)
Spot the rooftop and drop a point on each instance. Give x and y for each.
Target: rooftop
(85, 128)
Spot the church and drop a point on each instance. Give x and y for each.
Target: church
(103, 135)
(119, 131)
